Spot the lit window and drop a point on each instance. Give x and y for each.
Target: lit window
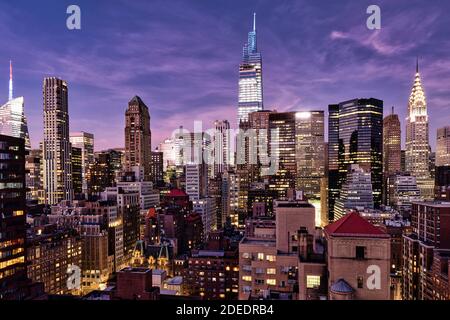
(247, 278)
(271, 271)
(271, 282)
(271, 258)
(246, 255)
(312, 282)
(260, 256)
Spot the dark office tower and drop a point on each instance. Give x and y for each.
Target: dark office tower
(443, 147)
(56, 148)
(442, 171)
(403, 161)
(334, 181)
(138, 137)
(77, 171)
(357, 136)
(84, 141)
(12, 217)
(221, 140)
(157, 168)
(391, 149)
(282, 146)
(215, 192)
(259, 123)
(128, 205)
(33, 176)
(250, 78)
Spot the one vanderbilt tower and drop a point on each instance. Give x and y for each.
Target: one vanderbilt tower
(250, 78)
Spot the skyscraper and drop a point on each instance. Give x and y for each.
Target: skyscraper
(282, 145)
(77, 171)
(138, 137)
(12, 216)
(442, 170)
(356, 192)
(33, 166)
(391, 150)
(258, 143)
(13, 121)
(56, 147)
(310, 155)
(221, 146)
(157, 167)
(355, 137)
(417, 138)
(84, 141)
(250, 78)
(391, 144)
(443, 147)
(334, 181)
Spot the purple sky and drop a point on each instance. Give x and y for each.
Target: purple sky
(182, 57)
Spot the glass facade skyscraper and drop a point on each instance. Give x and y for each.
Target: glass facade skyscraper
(355, 137)
(250, 78)
(12, 116)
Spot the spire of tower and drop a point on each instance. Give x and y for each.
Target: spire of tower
(392, 109)
(10, 81)
(254, 21)
(417, 64)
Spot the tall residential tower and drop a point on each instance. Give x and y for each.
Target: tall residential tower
(56, 147)
(138, 137)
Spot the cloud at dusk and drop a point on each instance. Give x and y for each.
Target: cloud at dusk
(182, 58)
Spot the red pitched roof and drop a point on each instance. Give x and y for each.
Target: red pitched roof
(151, 213)
(177, 193)
(354, 225)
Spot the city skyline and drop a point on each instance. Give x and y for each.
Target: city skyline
(166, 68)
(156, 169)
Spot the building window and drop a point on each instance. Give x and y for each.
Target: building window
(271, 282)
(360, 252)
(260, 256)
(312, 282)
(271, 271)
(360, 281)
(246, 255)
(247, 278)
(271, 258)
